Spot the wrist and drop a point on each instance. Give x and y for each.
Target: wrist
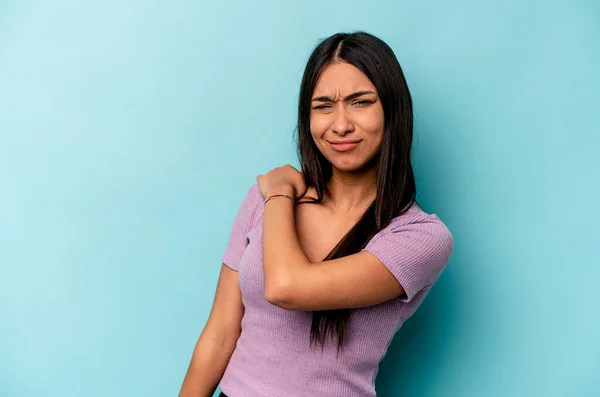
(281, 190)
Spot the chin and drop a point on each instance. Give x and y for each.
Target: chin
(350, 167)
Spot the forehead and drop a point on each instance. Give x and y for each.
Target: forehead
(342, 78)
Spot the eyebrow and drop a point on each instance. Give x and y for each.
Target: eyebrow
(347, 98)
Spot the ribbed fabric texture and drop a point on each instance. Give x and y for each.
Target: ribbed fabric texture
(273, 356)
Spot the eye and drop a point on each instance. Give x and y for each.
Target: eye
(322, 107)
(361, 103)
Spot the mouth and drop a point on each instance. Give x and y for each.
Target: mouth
(343, 146)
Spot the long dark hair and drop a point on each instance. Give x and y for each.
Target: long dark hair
(396, 189)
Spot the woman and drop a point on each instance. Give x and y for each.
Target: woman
(322, 267)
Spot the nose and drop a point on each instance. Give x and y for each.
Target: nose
(341, 125)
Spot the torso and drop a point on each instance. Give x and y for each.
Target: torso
(273, 355)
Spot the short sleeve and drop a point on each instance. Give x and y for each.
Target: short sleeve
(243, 223)
(415, 253)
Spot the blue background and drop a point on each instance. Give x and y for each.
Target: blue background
(131, 130)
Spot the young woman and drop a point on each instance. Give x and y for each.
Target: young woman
(323, 266)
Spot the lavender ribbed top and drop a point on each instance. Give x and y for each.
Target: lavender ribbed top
(273, 357)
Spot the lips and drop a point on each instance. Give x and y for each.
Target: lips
(343, 146)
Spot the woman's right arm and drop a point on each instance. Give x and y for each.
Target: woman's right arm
(218, 339)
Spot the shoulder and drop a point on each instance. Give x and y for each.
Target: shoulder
(419, 228)
(253, 206)
(253, 196)
(415, 215)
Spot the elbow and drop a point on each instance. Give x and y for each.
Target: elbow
(279, 294)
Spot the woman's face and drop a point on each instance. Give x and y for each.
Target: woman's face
(346, 117)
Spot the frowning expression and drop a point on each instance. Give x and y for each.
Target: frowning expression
(346, 117)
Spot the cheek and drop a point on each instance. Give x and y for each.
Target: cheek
(318, 126)
(373, 124)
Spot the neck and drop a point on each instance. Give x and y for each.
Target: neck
(352, 190)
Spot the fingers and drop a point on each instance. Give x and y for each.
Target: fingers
(283, 175)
